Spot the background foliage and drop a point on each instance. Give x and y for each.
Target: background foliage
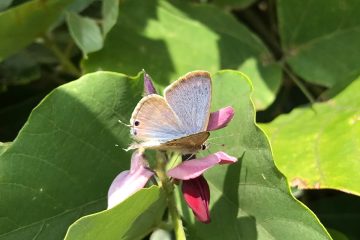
(58, 135)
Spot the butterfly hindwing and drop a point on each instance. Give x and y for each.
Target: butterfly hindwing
(188, 144)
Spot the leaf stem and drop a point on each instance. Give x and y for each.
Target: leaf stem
(170, 197)
(300, 85)
(68, 66)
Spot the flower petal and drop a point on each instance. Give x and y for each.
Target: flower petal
(220, 118)
(193, 168)
(128, 182)
(197, 195)
(148, 84)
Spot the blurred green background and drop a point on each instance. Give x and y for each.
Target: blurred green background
(303, 58)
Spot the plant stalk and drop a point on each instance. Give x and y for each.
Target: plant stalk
(68, 66)
(170, 197)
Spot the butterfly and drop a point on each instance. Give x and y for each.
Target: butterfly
(177, 121)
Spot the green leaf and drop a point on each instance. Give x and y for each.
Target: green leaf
(19, 69)
(320, 39)
(19, 26)
(5, 4)
(249, 199)
(134, 218)
(79, 5)
(62, 162)
(76, 6)
(238, 4)
(85, 32)
(110, 11)
(318, 146)
(64, 159)
(170, 38)
(3, 146)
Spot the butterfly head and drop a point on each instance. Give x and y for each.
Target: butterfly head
(204, 146)
(133, 130)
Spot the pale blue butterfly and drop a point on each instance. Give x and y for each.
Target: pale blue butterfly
(177, 121)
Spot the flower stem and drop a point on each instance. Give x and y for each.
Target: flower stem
(170, 197)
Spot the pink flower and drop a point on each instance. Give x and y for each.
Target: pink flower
(128, 182)
(194, 186)
(148, 85)
(197, 196)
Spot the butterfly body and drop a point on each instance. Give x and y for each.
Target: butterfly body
(177, 121)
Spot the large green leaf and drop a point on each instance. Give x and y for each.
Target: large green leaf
(20, 25)
(318, 146)
(321, 39)
(64, 159)
(170, 38)
(134, 218)
(249, 199)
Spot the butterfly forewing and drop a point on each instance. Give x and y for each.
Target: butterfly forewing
(154, 121)
(190, 97)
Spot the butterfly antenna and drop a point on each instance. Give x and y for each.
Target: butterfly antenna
(186, 157)
(121, 122)
(230, 135)
(217, 144)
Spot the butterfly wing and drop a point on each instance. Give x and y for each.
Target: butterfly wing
(188, 144)
(185, 145)
(153, 122)
(190, 97)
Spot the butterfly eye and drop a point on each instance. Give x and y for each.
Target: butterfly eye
(136, 123)
(203, 146)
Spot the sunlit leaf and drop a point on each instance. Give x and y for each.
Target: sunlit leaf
(318, 146)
